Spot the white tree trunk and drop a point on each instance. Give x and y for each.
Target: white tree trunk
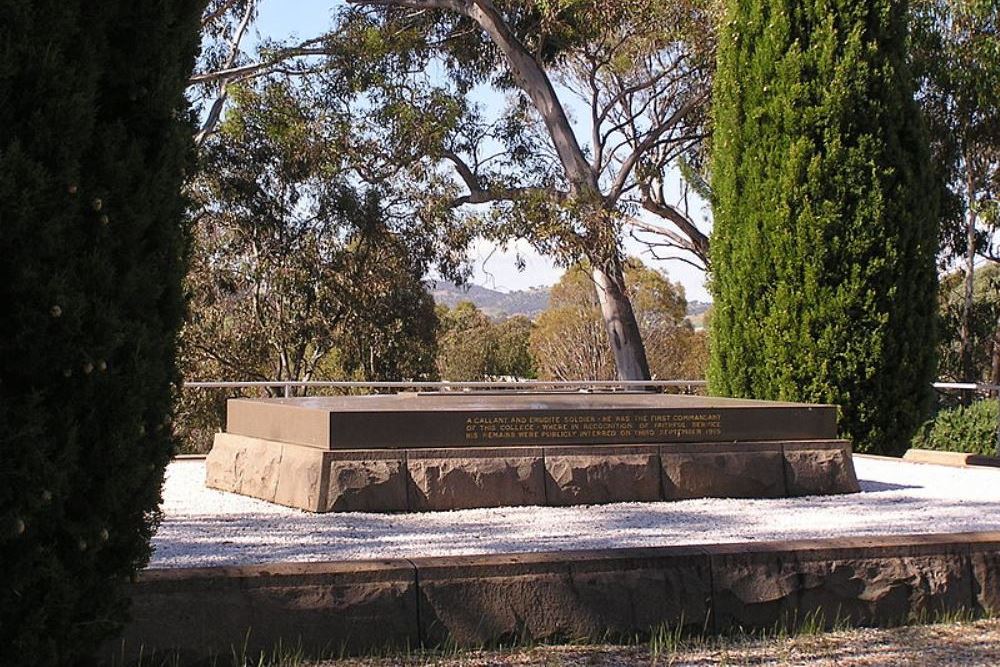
(619, 320)
(968, 370)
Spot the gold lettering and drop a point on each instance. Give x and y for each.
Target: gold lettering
(568, 428)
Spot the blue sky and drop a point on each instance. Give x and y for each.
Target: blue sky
(493, 267)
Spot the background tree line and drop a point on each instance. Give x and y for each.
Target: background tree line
(644, 78)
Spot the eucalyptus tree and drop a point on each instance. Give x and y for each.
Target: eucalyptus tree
(292, 263)
(956, 53)
(567, 342)
(639, 71)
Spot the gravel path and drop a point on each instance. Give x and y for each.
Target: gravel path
(202, 527)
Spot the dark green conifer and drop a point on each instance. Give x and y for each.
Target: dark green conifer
(824, 241)
(94, 140)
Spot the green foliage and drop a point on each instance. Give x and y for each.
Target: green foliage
(95, 141)
(570, 340)
(956, 56)
(472, 347)
(513, 355)
(825, 209)
(295, 274)
(524, 170)
(984, 319)
(965, 428)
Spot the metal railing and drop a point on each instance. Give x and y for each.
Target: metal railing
(287, 385)
(685, 386)
(202, 412)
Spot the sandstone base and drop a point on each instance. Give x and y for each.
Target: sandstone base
(399, 480)
(369, 607)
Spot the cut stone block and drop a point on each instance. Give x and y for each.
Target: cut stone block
(985, 559)
(819, 468)
(457, 419)
(884, 585)
(722, 470)
(487, 600)
(958, 459)
(465, 478)
(597, 475)
(368, 481)
(300, 478)
(321, 609)
(306, 477)
(248, 466)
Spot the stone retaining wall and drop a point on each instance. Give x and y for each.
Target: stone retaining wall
(330, 609)
(395, 480)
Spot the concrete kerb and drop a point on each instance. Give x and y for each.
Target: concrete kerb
(954, 459)
(351, 607)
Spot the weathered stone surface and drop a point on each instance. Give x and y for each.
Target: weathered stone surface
(884, 585)
(377, 480)
(249, 466)
(366, 482)
(352, 607)
(285, 474)
(221, 461)
(483, 600)
(465, 478)
(321, 608)
(722, 470)
(453, 451)
(985, 558)
(301, 480)
(596, 475)
(815, 468)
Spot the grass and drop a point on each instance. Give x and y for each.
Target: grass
(662, 645)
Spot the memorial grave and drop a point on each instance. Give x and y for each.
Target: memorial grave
(441, 451)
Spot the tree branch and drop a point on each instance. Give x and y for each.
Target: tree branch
(648, 142)
(697, 242)
(529, 75)
(480, 195)
(275, 58)
(234, 48)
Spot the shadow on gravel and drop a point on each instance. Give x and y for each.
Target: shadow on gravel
(871, 486)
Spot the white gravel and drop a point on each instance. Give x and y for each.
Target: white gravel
(202, 527)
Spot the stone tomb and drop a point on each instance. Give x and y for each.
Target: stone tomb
(416, 452)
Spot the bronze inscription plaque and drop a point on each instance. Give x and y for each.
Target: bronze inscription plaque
(484, 429)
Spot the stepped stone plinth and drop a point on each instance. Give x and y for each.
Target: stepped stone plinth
(413, 452)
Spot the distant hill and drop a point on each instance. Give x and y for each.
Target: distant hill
(530, 302)
(698, 307)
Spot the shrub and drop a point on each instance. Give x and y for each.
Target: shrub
(966, 428)
(825, 233)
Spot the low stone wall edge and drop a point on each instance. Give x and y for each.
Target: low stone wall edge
(364, 606)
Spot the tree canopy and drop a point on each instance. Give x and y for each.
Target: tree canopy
(292, 263)
(409, 74)
(474, 347)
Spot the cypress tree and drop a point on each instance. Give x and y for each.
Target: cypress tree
(94, 140)
(823, 249)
